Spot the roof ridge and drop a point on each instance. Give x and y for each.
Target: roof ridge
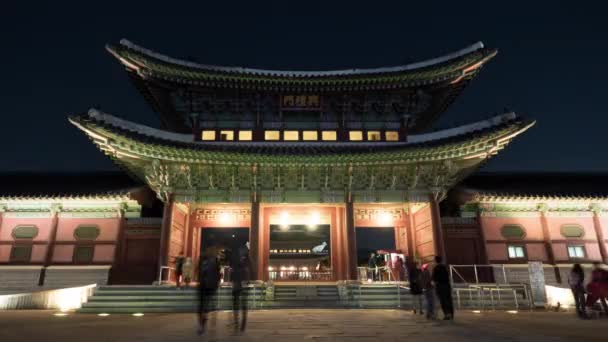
(339, 72)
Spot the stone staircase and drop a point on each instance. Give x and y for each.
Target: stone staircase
(132, 299)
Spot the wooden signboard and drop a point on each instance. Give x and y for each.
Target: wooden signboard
(300, 102)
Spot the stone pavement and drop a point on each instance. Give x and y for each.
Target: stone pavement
(303, 325)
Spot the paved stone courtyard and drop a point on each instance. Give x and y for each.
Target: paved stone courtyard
(303, 325)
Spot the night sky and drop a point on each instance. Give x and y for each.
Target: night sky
(551, 66)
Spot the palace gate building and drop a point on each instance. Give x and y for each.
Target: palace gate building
(311, 170)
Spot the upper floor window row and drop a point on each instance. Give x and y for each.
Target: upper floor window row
(294, 135)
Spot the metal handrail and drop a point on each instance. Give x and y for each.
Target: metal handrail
(160, 273)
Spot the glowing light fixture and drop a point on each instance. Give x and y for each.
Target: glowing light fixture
(60, 314)
(385, 217)
(138, 314)
(476, 311)
(284, 220)
(270, 268)
(512, 311)
(103, 314)
(224, 217)
(314, 221)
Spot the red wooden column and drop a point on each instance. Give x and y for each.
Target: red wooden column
(599, 233)
(437, 230)
(120, 244)
(351, 241)
(187, 233)
(254, 238)
(411, 245)
(165, 232)
(55, 209)
(546, 236)
(264, 244)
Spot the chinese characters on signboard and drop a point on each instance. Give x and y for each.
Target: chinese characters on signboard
(300, 102)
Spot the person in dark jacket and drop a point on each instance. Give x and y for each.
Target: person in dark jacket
(209, 281)
(576, 279)
(441, 278)
(179, 269)
(372, 266)
(240, 269)
(414, 276)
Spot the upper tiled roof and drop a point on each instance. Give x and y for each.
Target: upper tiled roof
(449, 68)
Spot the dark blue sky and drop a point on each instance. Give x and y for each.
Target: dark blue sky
(551, 65)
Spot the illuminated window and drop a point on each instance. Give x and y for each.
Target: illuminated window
(355, 135)
(291, 135)
(576, 252)
(245, 135)
(226, 135)
(310, 135)
(392, 136)
(272, 135)
(208, 135)
(329, 135)
(373, 136)
(516, 252)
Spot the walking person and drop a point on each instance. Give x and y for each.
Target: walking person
(598, 287)
(179, 269)
(372, 265)
(426, 282)
(415, 287)
(209, 281)
(441, 278)
(187, 271)
(240, 273)
(576, 279)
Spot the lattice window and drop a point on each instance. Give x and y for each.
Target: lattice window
(25, 232)
(86, 232)
(21, 254)
(83, 254)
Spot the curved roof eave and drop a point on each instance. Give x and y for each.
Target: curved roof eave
(104, 128)
(126, 44)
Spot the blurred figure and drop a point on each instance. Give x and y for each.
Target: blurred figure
(415, 287)
(240, 273)
(209, 281)
(426, 282)
(372, 265)
(576, 279)
(187, 271)
(598, 287)
(179, 269)
(441, 278)
(399, 269)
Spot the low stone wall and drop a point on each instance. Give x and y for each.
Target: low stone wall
(60, 299)
(71, 276)
(18, 279)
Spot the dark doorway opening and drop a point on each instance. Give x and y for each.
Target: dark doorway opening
(222, 238)
(371, 240)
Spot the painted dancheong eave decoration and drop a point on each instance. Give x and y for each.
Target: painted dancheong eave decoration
(428, 164)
